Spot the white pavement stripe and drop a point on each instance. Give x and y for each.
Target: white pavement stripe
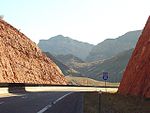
(48, 106)
(24, 97)
(1, 102)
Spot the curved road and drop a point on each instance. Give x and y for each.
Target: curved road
(28, 102)
(49, 101)
(72, 103)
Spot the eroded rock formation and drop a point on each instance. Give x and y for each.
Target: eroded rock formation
(136, 78)
(21, 61)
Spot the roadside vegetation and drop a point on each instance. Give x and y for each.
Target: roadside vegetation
(84, 81)
(115, 103)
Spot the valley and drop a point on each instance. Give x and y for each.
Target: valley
(74, 56)
(111, 55)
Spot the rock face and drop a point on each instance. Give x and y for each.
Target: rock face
(136, 78)
(21, 61)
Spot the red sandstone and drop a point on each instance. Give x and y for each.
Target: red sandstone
(136, 78)
(21, 61)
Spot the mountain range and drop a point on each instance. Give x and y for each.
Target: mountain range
(115, 66)
(111, 47)
(111, 55)
(60, 45)
(66, 70)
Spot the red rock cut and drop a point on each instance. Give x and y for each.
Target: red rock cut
(21, 61)
(136, 78)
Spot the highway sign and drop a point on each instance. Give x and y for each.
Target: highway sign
(105, 75)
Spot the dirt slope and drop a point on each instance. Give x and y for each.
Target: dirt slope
(21, 61)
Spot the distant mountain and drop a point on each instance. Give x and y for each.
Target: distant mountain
(84, 81)
(69, 59)
(73, 62)
(64, 68)
(111, 55)
(60, 45)
(115, 66)
(111, 47)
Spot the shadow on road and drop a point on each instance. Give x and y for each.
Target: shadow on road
(16, 88)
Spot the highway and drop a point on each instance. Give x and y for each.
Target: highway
(46, 99)
(28, 102)
(72, 103)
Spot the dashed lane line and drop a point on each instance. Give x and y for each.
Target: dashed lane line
(2, 102)
(50, 105)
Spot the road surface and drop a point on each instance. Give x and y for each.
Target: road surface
(28, 102)
(72, 103)
(39, 100)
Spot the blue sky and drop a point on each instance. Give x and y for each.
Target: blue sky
(85, 20)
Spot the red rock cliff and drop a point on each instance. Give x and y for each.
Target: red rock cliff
(21, 61)
(136, 78)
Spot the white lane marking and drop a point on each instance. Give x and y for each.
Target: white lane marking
(1, 102)
(24, 97)
(50, 105)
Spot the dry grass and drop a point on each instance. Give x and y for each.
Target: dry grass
(115, 103)
(88, 81)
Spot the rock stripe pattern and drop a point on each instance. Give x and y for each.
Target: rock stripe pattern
(21, 61)
(136, 78)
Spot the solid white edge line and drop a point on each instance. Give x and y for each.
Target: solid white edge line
(49, 105)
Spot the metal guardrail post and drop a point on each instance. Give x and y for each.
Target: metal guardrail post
(99, 102)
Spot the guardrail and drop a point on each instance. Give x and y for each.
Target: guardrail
(23, 88)
(32, 85)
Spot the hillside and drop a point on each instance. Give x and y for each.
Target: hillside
(136, 78)
(64, 68)
(111, 47)
(111, 55)
(60, 45)
(84, 81)
(69, 60)
(21, 61)
(115, 66)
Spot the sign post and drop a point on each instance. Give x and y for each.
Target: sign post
(105, 77)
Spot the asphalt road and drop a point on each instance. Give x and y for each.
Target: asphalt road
(28, 102)
(72, 103)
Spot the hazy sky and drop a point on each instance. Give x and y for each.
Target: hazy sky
(85, 20)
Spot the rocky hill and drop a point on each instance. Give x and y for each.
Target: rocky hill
(111, 47)
(21, 61)
(69, 59)
(111, 55)
(60, 45)
(64, 68)
(115, 66)
(136, 78)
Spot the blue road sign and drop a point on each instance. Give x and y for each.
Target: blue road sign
(105, 75)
